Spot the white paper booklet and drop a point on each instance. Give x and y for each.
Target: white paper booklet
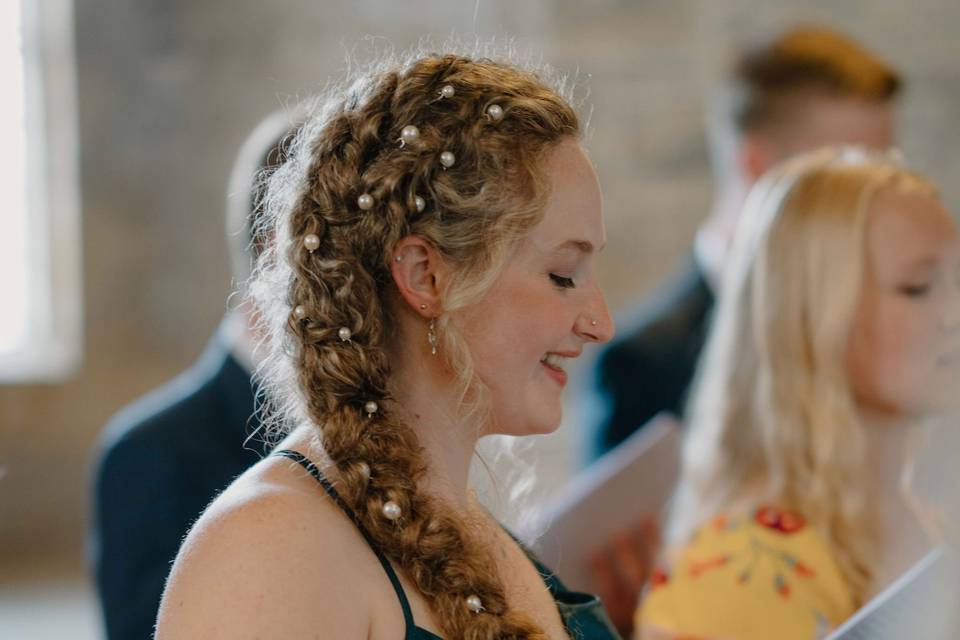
(923, 604)
(634, 480)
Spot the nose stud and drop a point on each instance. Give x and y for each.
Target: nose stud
(593, 322)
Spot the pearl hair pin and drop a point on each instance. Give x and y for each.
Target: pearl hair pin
(344, 334)
(311, 242)
(371, 408)
(420, 203)
(365, 202)
(447, 91)
(391, 510)
(299, 312)
(474, 603)
(447, 159)
(495, 112)
(408, 135)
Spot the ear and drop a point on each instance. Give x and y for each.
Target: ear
(421, 275)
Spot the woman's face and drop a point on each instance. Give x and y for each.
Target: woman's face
(904, 350)
(546, 305)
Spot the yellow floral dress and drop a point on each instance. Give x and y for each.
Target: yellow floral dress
(763, 575)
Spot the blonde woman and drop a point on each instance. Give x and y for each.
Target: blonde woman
(838, 329)
(429, 276)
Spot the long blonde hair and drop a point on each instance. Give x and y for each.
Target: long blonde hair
(772, 416)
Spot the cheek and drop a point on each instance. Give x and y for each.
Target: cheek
(512, 328)
(890, 358)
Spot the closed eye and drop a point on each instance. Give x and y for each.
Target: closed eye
(915, 291)
(562, 282)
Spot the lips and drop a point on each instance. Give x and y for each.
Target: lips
(554, 363)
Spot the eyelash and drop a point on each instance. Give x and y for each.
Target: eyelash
(562, 282)
(915, 291)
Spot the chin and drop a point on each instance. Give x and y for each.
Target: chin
(530, 427)
(544, 427)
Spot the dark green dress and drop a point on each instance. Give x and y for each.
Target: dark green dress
(582, 614)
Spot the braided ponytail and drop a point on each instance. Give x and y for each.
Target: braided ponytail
(357, 183)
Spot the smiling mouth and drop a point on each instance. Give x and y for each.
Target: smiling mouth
(555, 361)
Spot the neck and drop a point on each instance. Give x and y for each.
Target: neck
(427, 403)
(905, 527)
(890, 442)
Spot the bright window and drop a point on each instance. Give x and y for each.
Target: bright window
(40, 279)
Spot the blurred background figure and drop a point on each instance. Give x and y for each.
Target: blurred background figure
(806, 88)
(164, 457)
(838, 333)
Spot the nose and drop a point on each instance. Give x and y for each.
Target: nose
(594, 324)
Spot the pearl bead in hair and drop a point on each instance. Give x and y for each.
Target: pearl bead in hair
(474, 604)
(299, 312)
(447, 159)
(495, 112)
(311, 242)
(365, 202)
(370, 407)
(421, 203)
(409, 135)
(448, 91)
(344, 334)
(391, 510)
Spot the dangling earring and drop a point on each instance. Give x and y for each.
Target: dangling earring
(432, 336)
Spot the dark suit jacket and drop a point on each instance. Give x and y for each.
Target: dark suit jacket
(163, 459)
(648, 368)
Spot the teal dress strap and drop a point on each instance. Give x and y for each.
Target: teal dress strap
(583, 615)
(412, 632)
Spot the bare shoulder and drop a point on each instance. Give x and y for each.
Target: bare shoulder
(270, 557)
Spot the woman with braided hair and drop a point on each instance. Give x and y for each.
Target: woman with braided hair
(429, 272)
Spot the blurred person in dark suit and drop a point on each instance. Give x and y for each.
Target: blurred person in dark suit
(807, 88)
(164, 457)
